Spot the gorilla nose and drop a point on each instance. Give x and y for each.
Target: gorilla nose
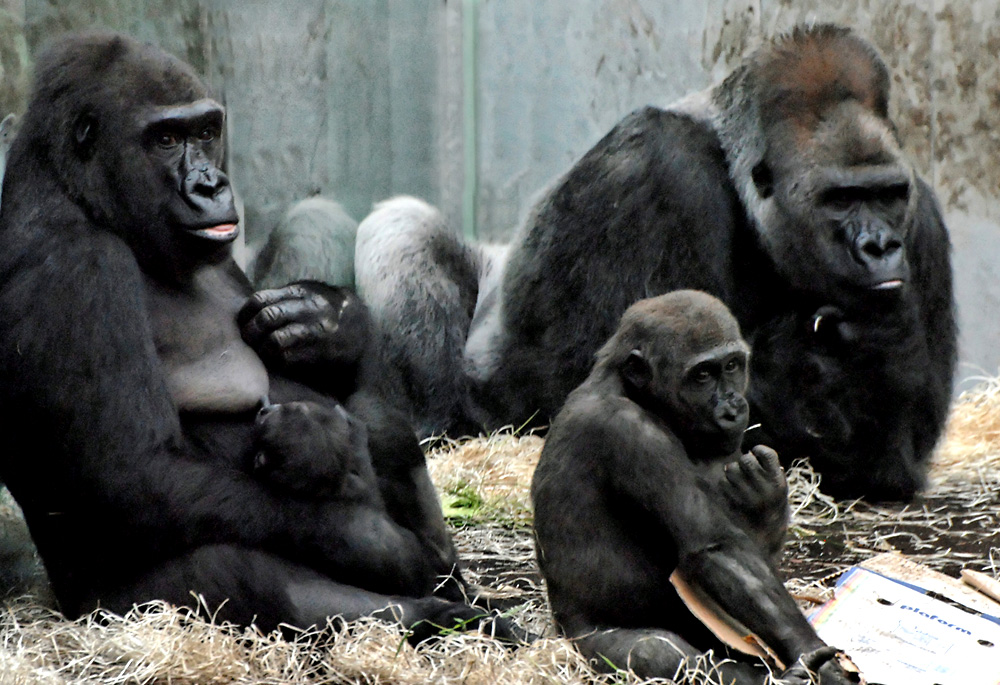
(878, 247)
(207, 182)
(731, 411)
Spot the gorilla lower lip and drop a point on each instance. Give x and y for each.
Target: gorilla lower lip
(220, 232)
(888, 285)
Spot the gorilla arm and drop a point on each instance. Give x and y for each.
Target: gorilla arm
(649, 466)
(755, 486)
(84, 369)
(930, 250)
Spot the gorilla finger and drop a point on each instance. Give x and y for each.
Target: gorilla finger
(287, 338)
(768, 458)
(752, 467)
(276, 316)
(738, 485)
(802, 672)
(265, 298)
(770, 462)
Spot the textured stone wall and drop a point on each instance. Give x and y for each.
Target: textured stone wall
(477, 104)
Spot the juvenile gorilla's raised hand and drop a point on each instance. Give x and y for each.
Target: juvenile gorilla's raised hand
(310, 329)
(756, 488)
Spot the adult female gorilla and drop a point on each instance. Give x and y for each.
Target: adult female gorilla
(129, 389)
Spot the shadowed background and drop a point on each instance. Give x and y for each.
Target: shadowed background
(475, 105)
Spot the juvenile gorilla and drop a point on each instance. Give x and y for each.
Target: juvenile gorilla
(134, 357)
(783, 191)
(641, 477)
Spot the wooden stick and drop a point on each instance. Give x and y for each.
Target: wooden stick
(982, 582)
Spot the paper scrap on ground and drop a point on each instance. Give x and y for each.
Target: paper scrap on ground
(899, 636)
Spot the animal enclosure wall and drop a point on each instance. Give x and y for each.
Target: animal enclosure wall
(476, 104)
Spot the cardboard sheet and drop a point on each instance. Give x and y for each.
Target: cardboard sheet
(898, 635)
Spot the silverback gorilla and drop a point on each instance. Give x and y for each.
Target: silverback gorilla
(641, 477)
(134, 358)
(782, 191)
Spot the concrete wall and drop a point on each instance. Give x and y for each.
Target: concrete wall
(477, 104)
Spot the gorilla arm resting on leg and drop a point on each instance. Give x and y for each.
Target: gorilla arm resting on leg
(641, 477)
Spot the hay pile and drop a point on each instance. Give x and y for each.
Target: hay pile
(484, 485)
(970, 449)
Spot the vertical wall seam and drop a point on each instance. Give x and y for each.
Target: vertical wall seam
(469, 127)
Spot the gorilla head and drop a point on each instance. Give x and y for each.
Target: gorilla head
(681, 356)
(124, 116)
(818, 165)
(306, 449)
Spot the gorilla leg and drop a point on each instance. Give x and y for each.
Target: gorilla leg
(247, 586)
(314, 241)
(421, 283)
(406, 487)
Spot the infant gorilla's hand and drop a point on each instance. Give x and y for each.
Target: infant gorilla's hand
(755, 483)
(303, 447)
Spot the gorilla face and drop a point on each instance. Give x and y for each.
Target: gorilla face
(176, 206)
(182, 149)
(684, 360)
(139, 162)
(835, 190)
(709, 400)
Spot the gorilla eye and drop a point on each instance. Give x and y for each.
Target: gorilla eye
(168, 140)
(732, 365)
(207, 135)
(702, 376)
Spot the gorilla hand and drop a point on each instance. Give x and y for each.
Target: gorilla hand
(755, 483)
(309, 329)
(831, 328)
(756, 489)
(824, 666)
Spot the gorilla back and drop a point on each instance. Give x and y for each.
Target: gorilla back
(782, 191)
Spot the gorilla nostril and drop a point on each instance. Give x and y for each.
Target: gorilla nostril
(873, 249)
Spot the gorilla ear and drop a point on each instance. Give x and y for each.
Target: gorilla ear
(84, 134)
(636, 371)
(763, 179)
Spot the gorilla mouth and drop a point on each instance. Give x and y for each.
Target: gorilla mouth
(222, 233)
(893, 284)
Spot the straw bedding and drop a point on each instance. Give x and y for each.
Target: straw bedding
(484, 485)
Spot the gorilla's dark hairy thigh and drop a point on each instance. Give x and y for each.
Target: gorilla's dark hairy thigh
(641, 482)
(134, 358)
(783, 191)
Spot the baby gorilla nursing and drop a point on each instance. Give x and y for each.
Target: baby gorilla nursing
(311, 450)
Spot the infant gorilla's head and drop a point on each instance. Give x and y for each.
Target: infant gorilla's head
(304, 448)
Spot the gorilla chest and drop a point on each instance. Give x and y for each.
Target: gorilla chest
(208, 366)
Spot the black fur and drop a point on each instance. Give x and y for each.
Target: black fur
(783, 194)
(641, 477)
(133, 359)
